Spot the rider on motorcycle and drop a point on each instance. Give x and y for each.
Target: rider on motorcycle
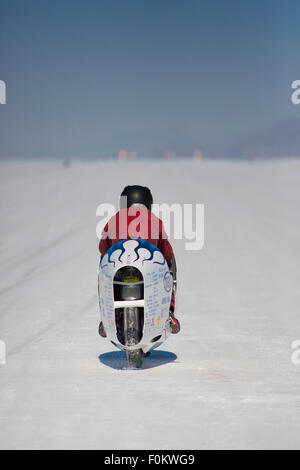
(135, 220)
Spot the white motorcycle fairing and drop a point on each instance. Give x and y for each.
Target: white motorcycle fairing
(157, 283)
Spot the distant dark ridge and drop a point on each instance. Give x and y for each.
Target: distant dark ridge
(281, 141)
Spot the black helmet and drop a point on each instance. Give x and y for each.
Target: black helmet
(136, 195)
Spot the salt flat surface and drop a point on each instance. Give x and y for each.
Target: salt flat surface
(227, 381)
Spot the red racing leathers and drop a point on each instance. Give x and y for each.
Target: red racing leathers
(136, 222)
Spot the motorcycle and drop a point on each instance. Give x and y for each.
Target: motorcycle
(135, 289)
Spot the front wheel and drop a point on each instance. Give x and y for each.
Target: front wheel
(134, 359)
(132, 337)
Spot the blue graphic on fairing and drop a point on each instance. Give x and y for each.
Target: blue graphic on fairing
(112, 249)
(141, 244)
(150, 247)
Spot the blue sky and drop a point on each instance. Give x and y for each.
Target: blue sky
(86, 78)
